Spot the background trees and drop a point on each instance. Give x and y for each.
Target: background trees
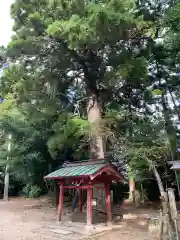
(91, 79)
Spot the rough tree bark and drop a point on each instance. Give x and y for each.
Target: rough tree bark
(131, 188)
(94, 117)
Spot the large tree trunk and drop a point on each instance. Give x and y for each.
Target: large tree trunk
(6, 184)
(94, 117)
(129, 135)
(131, 188)
(97, 144)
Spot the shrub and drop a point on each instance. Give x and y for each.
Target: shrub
(31, 191)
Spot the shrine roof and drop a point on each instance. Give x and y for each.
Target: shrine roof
(83, 170)
(175, 165)
(72, 171)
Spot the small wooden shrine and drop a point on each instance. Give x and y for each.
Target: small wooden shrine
(85, 176)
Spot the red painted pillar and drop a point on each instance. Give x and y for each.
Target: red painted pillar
(108, 203)
(80, 200)
(89, 206)
(61, 199)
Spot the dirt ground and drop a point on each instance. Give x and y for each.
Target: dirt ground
(22, 219)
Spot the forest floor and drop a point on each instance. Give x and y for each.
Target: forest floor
(26, 219)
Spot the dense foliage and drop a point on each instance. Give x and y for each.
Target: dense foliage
(78, 74)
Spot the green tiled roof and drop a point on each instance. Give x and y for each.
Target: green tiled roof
(74, 171)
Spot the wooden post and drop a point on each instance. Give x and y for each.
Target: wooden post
(172, 204)
(108, 203)
(61, 199)
(80, 200)
(89, 206)
(173, 210)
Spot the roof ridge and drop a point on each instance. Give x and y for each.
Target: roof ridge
(83, 163)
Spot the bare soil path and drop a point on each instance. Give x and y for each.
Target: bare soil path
(22, 219)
